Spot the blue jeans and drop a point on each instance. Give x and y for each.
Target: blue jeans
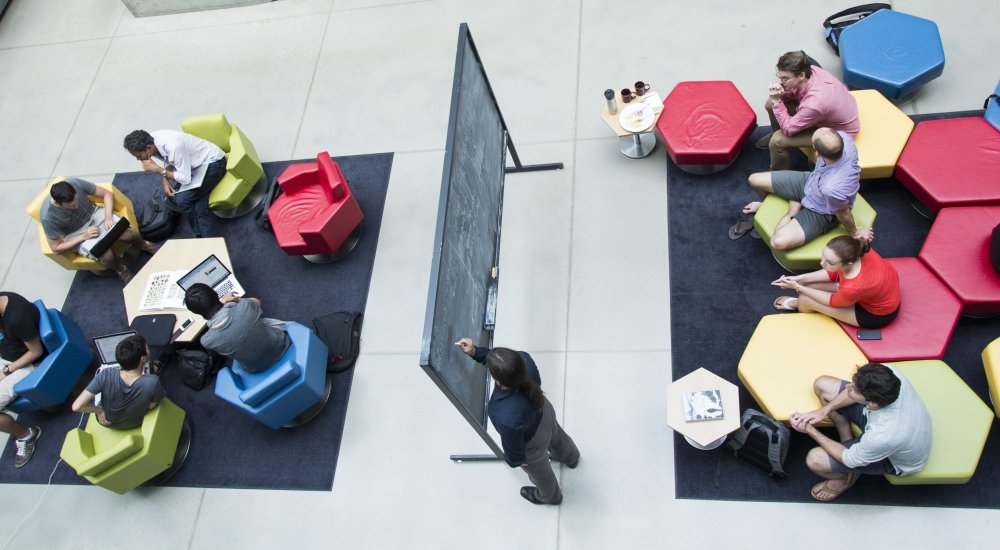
(194, 203)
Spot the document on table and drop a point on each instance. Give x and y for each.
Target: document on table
(163, 292)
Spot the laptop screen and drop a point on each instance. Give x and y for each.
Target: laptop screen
(106, 346)
(211, 272)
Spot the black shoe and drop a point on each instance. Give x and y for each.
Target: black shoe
(529, 494)
(573, 465)
(26, 447)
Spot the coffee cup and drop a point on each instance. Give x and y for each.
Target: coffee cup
(627, 95)
(641, 88)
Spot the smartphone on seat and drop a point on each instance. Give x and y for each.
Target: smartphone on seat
(870, 334)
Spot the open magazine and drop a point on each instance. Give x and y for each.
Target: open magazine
(163, 292)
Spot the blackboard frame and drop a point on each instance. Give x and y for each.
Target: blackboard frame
(479, 424)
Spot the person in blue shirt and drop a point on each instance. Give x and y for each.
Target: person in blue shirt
(525, 420)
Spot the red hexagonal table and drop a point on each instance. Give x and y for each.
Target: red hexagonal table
(927, 316)
(705, 124)
(957, 250)
(953, 162)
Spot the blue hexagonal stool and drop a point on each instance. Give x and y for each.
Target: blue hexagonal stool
(892, 52)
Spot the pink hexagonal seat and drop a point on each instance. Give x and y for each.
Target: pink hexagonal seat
(952, 162)
(705, 124)
(957, 250)
(927, 316)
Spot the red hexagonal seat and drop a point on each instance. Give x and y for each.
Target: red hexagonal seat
(927, 316)
(952, 162)
(957, 250)
(705, 123)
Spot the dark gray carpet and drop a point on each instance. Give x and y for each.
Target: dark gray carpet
(710, 327)
(230, 449)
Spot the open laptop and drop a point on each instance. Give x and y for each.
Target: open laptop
(214, 274)
(99, 245)
(106, 346)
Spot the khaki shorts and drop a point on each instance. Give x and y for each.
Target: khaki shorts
(7, 395)
(97, 218)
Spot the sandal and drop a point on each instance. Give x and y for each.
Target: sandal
(151, 247)
(781, 303)
(823, 486)
(741, 228)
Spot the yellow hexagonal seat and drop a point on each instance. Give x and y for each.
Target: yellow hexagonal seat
(787, 353)
(991, 363)
(961, 423)
(807, 256)
(884, 132)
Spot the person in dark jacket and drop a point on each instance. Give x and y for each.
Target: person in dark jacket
(525, 420)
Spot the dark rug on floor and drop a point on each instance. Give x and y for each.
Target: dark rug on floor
(720, 289)
(230, 449)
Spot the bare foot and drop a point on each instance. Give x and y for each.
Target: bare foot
(752, 208)
(786, 303)
(833, 488)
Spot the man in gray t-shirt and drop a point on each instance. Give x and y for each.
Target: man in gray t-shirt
(895, 428)
(126, 393)
(238, 329)
(69, 218)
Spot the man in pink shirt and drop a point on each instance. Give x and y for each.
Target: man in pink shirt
(805, 98)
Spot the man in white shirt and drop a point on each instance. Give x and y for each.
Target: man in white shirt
(191, 168)
(895, 429)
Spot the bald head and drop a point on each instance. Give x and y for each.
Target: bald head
(829, 144)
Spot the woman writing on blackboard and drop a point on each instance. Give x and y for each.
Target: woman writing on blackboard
(525, 420)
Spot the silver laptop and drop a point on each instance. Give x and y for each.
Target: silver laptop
(106, 346)
(213, 273)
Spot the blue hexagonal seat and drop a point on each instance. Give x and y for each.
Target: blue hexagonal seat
(892, 52)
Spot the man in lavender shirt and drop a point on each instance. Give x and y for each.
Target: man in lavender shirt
(818, 200)
(805, 98)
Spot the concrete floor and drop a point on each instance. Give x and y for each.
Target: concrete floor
(584, 251)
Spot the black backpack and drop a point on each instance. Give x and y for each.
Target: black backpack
(847, 18)
(197, 367)
(341, 332)
(261, 218)
(159, 217)
(761, 442)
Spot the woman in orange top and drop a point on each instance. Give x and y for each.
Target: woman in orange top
(855, 286)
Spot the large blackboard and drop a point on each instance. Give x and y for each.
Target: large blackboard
(467, 240)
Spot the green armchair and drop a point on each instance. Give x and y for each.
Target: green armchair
(244, 184)
(121, 460)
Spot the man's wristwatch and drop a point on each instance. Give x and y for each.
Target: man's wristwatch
(6, 370)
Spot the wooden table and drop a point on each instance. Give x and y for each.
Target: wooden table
(175, 255)
(632, 144)
(704, 434)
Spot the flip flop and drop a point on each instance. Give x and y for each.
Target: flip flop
(781, 303)
(823, 486)
(741, 228)
(755, 234)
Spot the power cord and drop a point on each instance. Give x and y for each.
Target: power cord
(47, 485)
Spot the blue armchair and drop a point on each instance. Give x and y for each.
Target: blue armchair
(277, 395)
(68, 358)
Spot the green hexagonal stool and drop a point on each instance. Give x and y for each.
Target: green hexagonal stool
(961, 423)
(787, 353)
(807, 256)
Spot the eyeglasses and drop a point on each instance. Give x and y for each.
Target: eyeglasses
(783, 79)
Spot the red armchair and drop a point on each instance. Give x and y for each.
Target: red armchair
(316, 216)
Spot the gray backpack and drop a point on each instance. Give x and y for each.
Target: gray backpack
(761, 442)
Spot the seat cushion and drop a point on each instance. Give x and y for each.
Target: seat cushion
(952, 162)
(213, 128)
(957, 250)
(961, 422)
(705, 122)
(807, 256)
(892, 52)
(270, 382)
(927, 316)
(786, 354)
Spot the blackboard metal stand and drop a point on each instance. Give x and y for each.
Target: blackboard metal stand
(518, 167)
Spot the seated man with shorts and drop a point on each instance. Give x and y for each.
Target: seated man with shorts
(819, 200)
(895, 429)
(126, 393)
(69, 218)
(21, 350)
(237, 328)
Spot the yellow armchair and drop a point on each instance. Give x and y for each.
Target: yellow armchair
(70, 259)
